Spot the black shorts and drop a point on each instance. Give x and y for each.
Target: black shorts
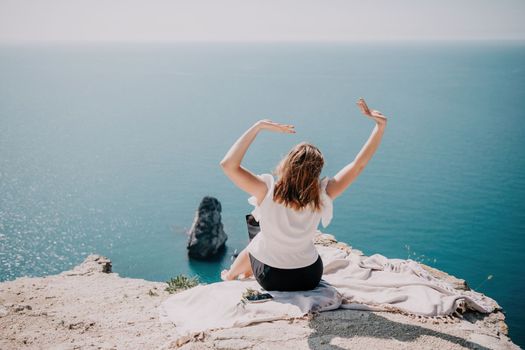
(273, 278)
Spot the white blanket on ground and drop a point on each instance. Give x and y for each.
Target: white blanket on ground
(349, 281)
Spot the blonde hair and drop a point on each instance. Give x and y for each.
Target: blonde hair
(298, 173)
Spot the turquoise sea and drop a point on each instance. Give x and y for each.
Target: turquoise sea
(109, 148)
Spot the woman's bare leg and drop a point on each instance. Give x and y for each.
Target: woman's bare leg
(241, 265)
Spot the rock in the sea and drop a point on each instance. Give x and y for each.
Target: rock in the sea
(207, 236)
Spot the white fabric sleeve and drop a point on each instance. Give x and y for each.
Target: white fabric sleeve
(269, 180)
(327, 211)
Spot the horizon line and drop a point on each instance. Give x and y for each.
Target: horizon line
(292, 41)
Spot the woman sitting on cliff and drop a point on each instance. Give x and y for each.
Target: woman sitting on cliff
(283, 256)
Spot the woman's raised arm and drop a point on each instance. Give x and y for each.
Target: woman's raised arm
(340, 182)
(231, 163)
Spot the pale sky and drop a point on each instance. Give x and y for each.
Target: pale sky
(266, 20)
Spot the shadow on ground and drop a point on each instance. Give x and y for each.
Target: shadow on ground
(371, 325)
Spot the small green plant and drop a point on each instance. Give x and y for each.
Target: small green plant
(181, 282)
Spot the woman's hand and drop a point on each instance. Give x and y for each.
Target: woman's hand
(267, 124)
(376, 115)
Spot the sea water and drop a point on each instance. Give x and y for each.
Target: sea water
(109, 149)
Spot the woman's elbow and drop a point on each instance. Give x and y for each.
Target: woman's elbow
(226, 165)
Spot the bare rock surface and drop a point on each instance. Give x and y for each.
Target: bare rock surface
(90, 307)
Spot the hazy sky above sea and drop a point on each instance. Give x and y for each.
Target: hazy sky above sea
(261, 20)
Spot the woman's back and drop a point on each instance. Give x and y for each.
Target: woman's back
(286, 237)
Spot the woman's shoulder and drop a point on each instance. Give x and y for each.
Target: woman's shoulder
(269, 180)
(266, 176)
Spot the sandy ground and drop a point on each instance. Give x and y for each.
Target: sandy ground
(87, 308)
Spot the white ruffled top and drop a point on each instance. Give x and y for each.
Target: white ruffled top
(286, 237)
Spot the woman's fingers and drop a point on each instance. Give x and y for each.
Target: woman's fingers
(363, 107)
(371, 113)
(289, 128)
